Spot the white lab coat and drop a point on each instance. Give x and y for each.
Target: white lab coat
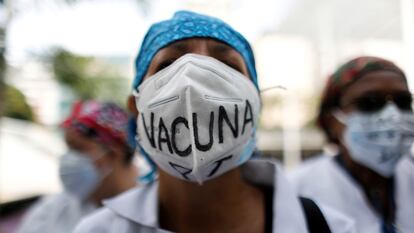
(136, 210)
(325, 181)
(59, 213)
(405, 200)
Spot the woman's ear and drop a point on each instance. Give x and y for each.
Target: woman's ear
(132, 107)
(117, 153)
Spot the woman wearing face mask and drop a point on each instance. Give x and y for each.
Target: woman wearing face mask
(197, 104)
(98, 165)
(366, 110)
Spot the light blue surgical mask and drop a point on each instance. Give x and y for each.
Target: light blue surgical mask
(78, 174)
(378, 140)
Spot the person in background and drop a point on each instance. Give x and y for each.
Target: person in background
(196, 99)
(98, 165)
(366, 111)
(405, 202)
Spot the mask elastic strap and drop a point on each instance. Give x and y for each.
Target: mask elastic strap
(339, 115)
(151, 175)
(261, 91)
(107, 171)
(248, 149)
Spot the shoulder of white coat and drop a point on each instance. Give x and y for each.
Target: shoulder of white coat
(309, 168)
(42, 203)
(338, 222)
(97, 222)
(43, 211)
(405, 166)
(53, 200)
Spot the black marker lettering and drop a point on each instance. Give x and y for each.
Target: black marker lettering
(218, 164)
(222, 115)
(248, 110)
(207, 146)
(179, 120)
(151, 138)
(166, 139)
(180, 169)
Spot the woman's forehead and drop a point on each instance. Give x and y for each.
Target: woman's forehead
(378, 81)
(198, 45)
(202, 46)
(76, 140)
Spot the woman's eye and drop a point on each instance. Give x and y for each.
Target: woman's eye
(232, 65)
(164, 64)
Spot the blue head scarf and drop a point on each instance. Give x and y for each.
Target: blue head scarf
(187, 24)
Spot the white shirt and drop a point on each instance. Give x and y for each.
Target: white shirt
(58, 214)
(136, 210)
(325, 181)
(405, 200)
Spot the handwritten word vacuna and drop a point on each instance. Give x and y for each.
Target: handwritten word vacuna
(197, 118)
(168, 135)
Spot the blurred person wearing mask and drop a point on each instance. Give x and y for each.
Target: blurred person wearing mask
(197, 103)
(366, 111)
(98, 165)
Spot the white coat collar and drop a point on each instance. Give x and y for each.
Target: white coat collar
(140, 204)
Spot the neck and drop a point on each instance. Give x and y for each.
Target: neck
(119, 180)
(126, 178)
(377, 189)
(223, 204)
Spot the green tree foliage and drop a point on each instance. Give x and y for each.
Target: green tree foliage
(88, 78)
(2, 84)
(15, 105)
(72, 71)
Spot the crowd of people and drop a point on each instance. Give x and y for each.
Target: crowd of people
(194, 108)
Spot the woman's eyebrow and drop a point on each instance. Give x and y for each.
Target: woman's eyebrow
(179, 46)
(74, 145)
(221, 48)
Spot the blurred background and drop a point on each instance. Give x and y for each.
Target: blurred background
(54, 52)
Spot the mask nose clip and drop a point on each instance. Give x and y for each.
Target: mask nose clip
(339, 115)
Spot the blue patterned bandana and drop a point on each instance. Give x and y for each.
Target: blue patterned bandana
(186, 24)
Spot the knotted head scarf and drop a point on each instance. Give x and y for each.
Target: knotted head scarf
(184, 25)
(106, 122)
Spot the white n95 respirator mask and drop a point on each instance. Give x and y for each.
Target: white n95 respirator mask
(197, 118)
(378, 140)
